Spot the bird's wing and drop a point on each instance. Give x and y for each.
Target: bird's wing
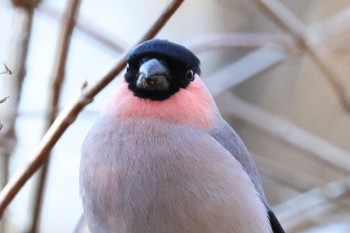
(229, 139)
(275, 224)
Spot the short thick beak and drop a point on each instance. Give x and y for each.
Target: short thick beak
(153, 76)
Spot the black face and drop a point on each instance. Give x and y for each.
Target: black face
(157, 69)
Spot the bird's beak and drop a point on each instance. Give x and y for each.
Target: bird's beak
(153, 76)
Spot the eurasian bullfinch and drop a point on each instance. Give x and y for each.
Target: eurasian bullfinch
(161, 159)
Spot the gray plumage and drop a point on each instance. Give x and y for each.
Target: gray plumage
(161, 159)
(145, 179)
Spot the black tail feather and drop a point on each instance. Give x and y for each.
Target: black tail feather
(275, 224)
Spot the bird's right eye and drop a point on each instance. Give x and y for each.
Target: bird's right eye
(189, 75)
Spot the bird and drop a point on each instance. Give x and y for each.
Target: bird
(161, 159)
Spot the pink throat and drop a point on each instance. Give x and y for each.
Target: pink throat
(191, 106)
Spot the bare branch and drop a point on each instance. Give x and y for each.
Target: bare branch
(7, 69)
(284, 17)
(79, 228)
(116, 44)
(330, 27)
(27, 4)
(282, 173)
(288, 20)
(246, 39)
(316, 148)
(69, 114)
(18, 55)
(84, 86)
(295, 210)
(4, 99)
(57, 80)
(258, 60)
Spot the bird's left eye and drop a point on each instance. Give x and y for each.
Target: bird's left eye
(189, 75)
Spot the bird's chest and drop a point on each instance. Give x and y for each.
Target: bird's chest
(124, 168)
(122, 151)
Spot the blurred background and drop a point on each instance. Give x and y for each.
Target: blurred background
(279, 71)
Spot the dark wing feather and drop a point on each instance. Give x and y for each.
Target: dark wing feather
(275, 224)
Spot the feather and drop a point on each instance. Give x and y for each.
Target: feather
(231, 141)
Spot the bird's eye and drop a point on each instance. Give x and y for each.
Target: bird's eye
(189, 75)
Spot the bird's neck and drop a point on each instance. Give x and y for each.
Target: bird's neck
(191, 106)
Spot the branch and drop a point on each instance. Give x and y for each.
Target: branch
(245, 39)
(282, 172)
(257, 61)
(53, 104)
(13, 86)
(7, 69)
(330, 27)
(317, 148)
(80, 226)
(70, 113)
(288, 20)
(115, 44)
(295, 210)
(4, 99)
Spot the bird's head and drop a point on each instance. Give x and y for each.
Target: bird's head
(157, 69)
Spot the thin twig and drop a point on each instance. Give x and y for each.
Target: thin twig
(330, 27)
(245, 39)
(4, 99)
(315, 147)
(53, 104)
(79, 228)
(18, 56)
(70, 113)
(282, 173)
(258, 60)
(115, 44)
(7, 69)
(284, 17)
(288, 20)
(294, 210)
